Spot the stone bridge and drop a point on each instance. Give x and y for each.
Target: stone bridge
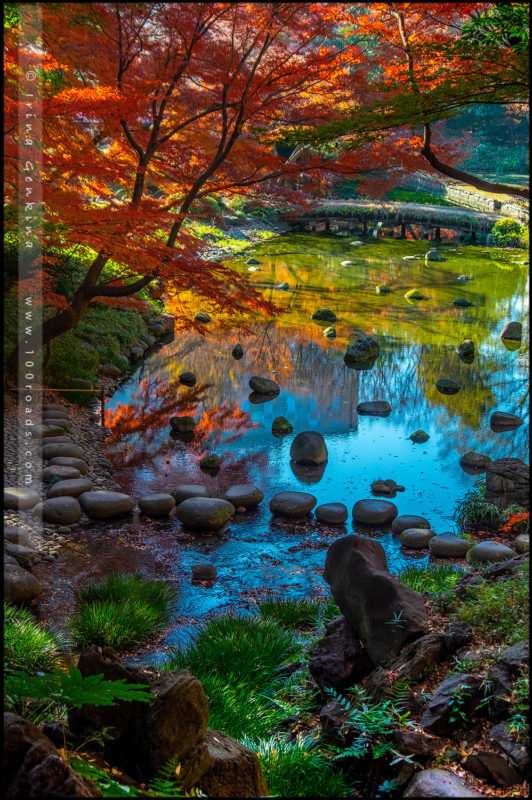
(394, 218)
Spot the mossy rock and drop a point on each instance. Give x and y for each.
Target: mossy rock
(414, 294)
(419, 437)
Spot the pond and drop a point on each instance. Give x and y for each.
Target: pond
(255, 556)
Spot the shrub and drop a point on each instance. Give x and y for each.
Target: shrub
(433, 578)
(473, 512)
(298, 769)
(28, 644)
(121, 611)
(507, 233)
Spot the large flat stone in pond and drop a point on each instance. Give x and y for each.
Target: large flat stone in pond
(186, 490)
(156, 505)
(502, 421)
(438, 783)
(489, 551)
(447, 545)
(70, 488)
(374, 408)
(244, 494)
(204, 513)
(66, 449)
(57, 472)
(309, 447)
(264, 385)
(332, 513)
(58, 510)
(20, 498)
(416, 538)
(292, 504)
(406, 521)
(104, 504)
(65, 461)
(374, 512)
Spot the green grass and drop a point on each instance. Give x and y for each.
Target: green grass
(472, 511)
(239, 661)
(28, 644)
(498, 610)
(121, 611)
(298, 768)
(433, 578)
(404, 195)
(299, 613)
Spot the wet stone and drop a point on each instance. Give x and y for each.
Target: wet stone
(416, 538)
(182, 424)
(292, 504)
(156, 505)
(20, 586)
(375, 408)
(332, 513)
(374, 512)
(69, 450)
(475, 460)
(65, 461)
(58, 510)
(461, 302)
(210, 463)
(70, 488)
(104, 504)
(447, 386)
(202, 316)
(309, 447)
(203, 572)
(419, 437)
(502, 421)
(59, 473)
(406, 521)
(512, 331)
(466, 349)
(281, 426)
(186, 491)
(447, 545)
(324, 315)
(237, 352)
(204, 513)
(488, 552)
(264, 385)
(20, 498)
(187, 378)
(244, 495)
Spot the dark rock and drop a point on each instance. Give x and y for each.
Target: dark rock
(244, 495)
(65, 461)
(416, 661)
(489, 551)
(331, 513)
(281, 427)
(332, 718)
(386, 613)
(457, 634)
(56, 732)
(253, 262)
(33, 767)
(182, 424)
(187, 378)
(157, 329)
(516, 657)
(507, 482)
(292, 504)
(20, 498)
(20, 586)
(447, 386)
(492, 767)
(362, 352)
(17, 536)
(466, 349)
(308, 473)
(406, 521)
(59, 510)
(438, 783)
(203, 572)
(512, 331)
(204, 513)
(418, 743)
(324, 315)
(416, 538)
(374, 512)
(224, 768)
(71, 488)
(68, 450)
(264, 385)
(309, 447)
(477, 460)
(330, 332)
(447, 545)
(434, 255)
(156, 505)
(22, 555)
(202, 316)
(501, 680)
(437, 716)
(375, 408)
(419, 437)
(502, 421)
(382, 289)
(237, 352)
(184, 491)
(110, 371)
(414, 294)
(462, 302)
(104, 504)
(210, 463)
(136, 352)
(338, 661)
(522, 543)
(517, 752)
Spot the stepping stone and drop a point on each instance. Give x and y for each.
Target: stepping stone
(182, 424)
(45, 431)
(324, 315)
(187, 378)
(203, 572)
(447, 545)
(54, 473)
(58, 440)
(447, 386)
(20, 586)
(210, 463)
(64, 461)
(292, 504)
(332, 513)
(204, 513)
(54, 407)
(512, 331)
(63, 424)
(70, 488)
(244, 495)
(264, 385)
(501, 421)
(57, 414)
(416, 538)
(309, 447)
(363, 351)
(237, 352)
(406, 521)
(374, 408)
(489, 551)
(187, 490)
(156, 505)
(53, 450)
(58, 510)
(281, 426)
(105, 504)
(374, 512)
(419, 437)
(20, 498)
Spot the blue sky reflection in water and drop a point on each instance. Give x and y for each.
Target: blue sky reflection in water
(417, 341)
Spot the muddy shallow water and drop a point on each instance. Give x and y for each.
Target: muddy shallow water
(256, 556)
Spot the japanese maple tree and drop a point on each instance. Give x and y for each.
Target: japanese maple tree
(149, 108)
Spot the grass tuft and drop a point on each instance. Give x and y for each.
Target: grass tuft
(121, 611)
(298, 769)
(27, 643)
(433, 578)
(299, 613)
